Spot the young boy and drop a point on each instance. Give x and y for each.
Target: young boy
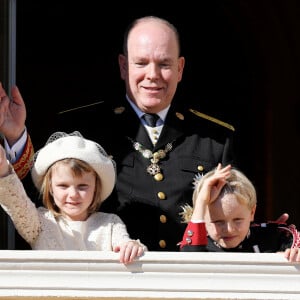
(222, 219)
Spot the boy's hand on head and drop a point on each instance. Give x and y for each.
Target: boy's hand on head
(210, 191)
(217, 181)
(4, 166)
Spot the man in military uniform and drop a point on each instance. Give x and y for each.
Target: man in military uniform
(157, 162)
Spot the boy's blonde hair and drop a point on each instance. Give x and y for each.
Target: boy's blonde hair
(237, 183)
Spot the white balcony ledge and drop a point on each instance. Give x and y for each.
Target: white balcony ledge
(157, 275)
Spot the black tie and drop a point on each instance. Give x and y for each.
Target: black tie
(151, 119)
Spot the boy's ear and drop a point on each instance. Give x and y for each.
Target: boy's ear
(253, 212)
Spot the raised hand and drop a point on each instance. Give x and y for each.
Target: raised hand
(209, 191)
(12, 114)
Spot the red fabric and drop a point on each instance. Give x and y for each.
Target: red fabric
(198, 237)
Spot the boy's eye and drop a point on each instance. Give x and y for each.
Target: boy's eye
(238, 221)
(219, 223)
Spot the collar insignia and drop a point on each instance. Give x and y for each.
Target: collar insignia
(180, 116)
(119, 110)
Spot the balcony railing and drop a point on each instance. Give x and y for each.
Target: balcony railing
(156, 275)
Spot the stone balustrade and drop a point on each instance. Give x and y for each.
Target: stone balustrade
(157, 275)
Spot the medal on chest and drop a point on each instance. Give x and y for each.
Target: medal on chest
(154, 157)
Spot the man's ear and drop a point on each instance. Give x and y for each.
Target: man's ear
(181, 63)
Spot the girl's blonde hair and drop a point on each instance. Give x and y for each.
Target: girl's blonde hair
(78, 167)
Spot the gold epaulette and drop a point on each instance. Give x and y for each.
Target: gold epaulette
(24, 163)
(207, 117)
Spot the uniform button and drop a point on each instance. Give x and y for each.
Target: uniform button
(162, 244)
(200, 168)
(161, 195)
(158, 177)
(190, 233)
(163, 219)
(188, 240)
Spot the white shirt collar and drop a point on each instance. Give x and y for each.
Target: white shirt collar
(162, 114)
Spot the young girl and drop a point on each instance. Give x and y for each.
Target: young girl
(222, 219)
(74, 176)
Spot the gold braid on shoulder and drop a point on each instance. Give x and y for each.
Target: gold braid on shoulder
(212, 119)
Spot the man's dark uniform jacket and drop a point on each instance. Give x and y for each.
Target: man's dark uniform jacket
(150, 205)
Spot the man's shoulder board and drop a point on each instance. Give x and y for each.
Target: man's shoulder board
(212, 119)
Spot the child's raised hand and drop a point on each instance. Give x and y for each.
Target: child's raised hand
(130, 250)
(210, 191)
(216, 182)
(4, 166)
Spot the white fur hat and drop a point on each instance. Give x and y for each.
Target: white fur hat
(61, 145)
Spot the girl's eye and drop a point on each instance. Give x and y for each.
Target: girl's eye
(83, 187)
(63, 186)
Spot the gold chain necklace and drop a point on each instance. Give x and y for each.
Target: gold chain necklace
(155, 157)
